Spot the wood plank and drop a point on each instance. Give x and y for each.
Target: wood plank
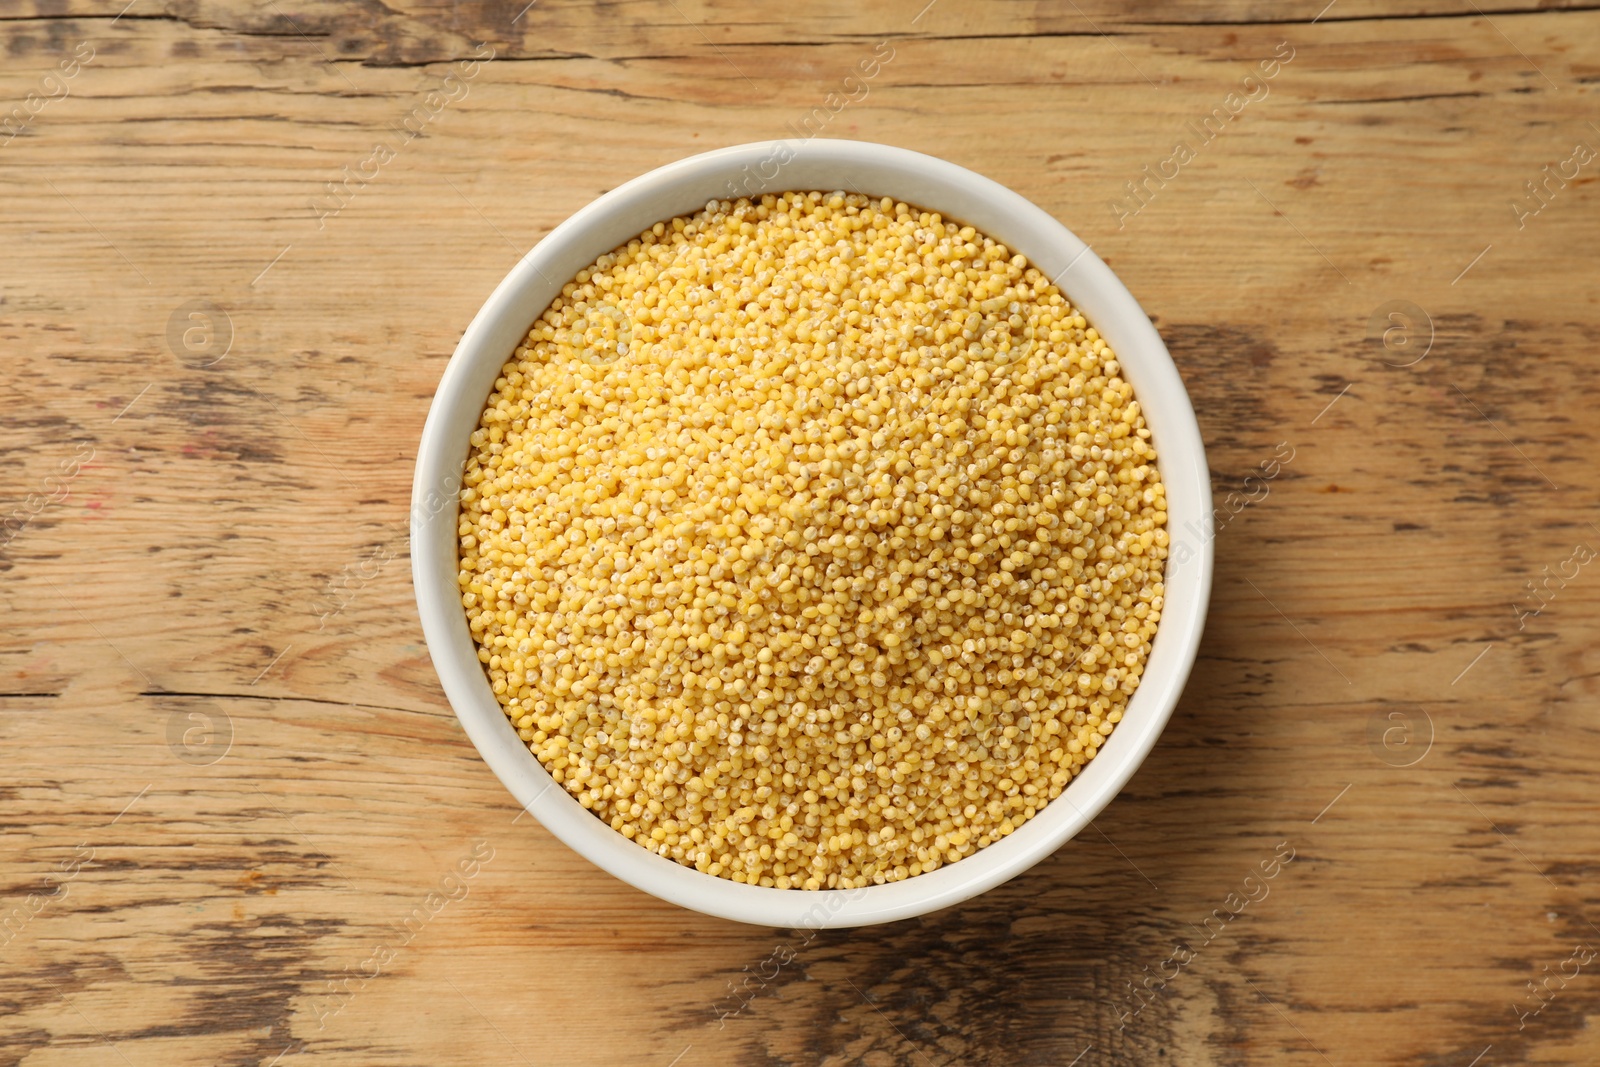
(232, 779)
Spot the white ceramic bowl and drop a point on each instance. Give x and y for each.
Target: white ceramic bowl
(685, 187)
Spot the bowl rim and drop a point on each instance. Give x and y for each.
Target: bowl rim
(933, 184)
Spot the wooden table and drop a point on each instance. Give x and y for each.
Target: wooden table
(241, 824)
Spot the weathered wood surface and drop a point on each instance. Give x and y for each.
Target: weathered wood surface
(231, 782)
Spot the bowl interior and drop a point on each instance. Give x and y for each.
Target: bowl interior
(685, 187)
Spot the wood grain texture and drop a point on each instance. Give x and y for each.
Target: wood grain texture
(238, 813)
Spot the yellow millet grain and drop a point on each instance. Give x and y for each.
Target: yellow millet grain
(812, 542)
